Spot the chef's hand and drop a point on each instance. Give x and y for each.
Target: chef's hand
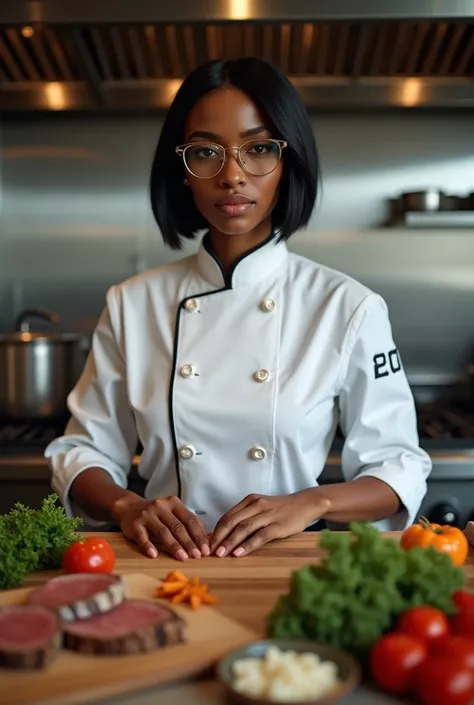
(162, 524)
(258, 519)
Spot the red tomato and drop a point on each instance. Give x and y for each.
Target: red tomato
(89, 555)
(463, 622)
(463, 598)
(427, 623)
(441, 681)
(458, 647)
(394, 659)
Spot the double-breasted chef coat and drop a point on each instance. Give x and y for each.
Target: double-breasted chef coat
(235, 385)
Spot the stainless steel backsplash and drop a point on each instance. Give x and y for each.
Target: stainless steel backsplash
(75, 219)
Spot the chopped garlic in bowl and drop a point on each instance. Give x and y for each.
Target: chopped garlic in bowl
(285, 676)
(287, 671)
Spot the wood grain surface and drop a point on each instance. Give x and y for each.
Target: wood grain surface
(247, 587)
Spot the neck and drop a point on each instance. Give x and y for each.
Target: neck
(230, 248)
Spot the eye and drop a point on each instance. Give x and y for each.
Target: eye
(261, 148)
(204, 152)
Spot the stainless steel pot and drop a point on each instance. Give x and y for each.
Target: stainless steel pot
(429, 200)
(37, 369)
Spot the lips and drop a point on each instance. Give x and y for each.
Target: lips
(235, 205)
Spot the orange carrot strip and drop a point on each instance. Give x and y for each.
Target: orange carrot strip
(172, 588)
(194, 601)
(175, 576)
(180, 597)
(208, 599)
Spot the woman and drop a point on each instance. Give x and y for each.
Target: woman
(233, 367)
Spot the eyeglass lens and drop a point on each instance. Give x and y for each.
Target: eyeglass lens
(259, 157)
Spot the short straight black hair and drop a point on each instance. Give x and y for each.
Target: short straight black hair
(172, 202)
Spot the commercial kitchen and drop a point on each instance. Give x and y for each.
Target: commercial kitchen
(390, 91)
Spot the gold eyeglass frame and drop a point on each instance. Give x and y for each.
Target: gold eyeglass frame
(181, 151)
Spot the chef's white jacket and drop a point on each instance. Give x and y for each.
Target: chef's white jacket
(236, 386)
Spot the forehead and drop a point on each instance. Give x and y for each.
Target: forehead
(226, 112)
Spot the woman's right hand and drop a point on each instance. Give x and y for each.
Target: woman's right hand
(162, 525)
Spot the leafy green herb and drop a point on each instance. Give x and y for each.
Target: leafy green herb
(33, 539)
(363, 583)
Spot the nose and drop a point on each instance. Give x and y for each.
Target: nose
(232, 173)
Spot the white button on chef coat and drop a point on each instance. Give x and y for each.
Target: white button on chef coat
(332, 358)
(267, 305)
(187, 452)
(191, 305)
(187, 371)
(258, 453)
(262, 375)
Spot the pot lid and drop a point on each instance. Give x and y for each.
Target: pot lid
(25, 338)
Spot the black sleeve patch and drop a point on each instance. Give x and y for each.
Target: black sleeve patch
(386, 363)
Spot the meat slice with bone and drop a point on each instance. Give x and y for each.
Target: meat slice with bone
(135, 626)
(30, 636)
(80, 595)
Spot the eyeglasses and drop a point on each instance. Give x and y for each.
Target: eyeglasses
(257, 157)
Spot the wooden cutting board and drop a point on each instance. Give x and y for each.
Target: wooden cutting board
(78, 678)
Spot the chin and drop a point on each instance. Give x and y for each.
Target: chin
(235, 226)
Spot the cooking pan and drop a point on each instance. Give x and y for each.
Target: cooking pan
(37, 369)
(430, 200)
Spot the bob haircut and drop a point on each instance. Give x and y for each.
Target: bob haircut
(172, 202)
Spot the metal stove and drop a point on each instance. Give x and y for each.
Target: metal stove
(18, 437)
(446, 431)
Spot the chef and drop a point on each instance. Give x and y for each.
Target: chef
(234, 366)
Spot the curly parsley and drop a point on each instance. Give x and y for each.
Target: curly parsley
(360, 587)
(33, 539)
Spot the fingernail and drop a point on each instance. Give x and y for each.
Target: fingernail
(239, 551)
(196, 553)
(205, 550)
(181, 555)
(220, 552)
(152, 553)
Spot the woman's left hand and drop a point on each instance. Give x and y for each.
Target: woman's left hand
(258, 519)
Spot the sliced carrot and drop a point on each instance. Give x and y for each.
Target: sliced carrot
(194, 601)
(208, 599)
(175, 576)
(180, 597)
(172, 588)
(178, 588)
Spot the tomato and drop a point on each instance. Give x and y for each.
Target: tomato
(459, 647)
(442, 681)
(463, 598)
(463, 622)
(447, 539)
(427, 623)
(89, 555)
(394, 660)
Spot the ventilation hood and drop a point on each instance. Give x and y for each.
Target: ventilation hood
(74, 55)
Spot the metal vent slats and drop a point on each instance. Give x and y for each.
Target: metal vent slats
(122, 53)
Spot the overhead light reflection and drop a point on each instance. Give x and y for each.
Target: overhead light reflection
(411, 92)
(27, 32)
(239, 9)
(56, 96)
(172, 87)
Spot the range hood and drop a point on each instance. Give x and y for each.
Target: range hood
(132, 54)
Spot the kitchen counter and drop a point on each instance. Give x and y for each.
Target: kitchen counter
(247, 589)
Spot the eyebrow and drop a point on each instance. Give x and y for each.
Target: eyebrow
(202, 134)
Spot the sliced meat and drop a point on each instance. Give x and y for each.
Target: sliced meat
(136, 626)
(80, 595)
(30, 636)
